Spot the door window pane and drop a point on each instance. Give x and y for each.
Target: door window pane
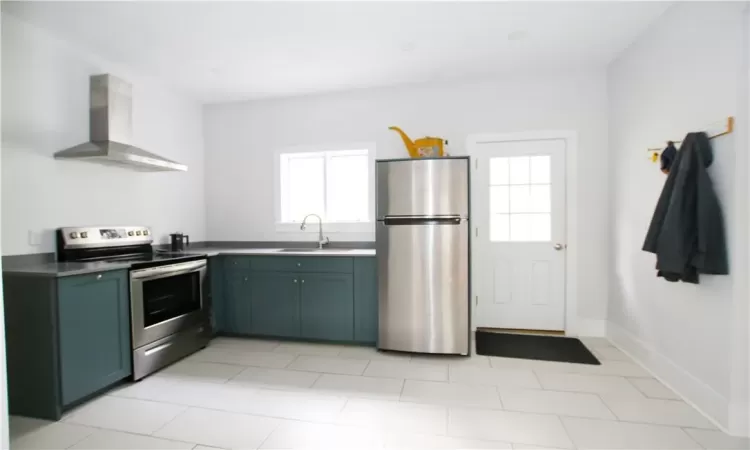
(539, 198)
(519, 169)
(540, 166)
(499, 200)
(499, 171)
(519, 224)
(529, 198)
(520, 199)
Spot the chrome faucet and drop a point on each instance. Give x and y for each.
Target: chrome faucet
(321, 240)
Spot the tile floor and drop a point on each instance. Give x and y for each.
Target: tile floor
(248, 394)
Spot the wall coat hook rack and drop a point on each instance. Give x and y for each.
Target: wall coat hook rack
(713, 131)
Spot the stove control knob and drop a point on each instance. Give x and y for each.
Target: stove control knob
(138, 233)
(130, 233)
(145, 232)
(84, 235)
(74, 235)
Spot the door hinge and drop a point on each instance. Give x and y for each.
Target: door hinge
(476, 232)
(476, 300)
(476, 163)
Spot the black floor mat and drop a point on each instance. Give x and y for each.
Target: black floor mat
(527, 346)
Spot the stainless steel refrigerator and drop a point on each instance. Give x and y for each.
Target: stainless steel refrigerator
(422, 246)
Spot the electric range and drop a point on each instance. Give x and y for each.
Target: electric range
(169, 313)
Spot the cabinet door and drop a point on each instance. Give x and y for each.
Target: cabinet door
(327, 306)
(237, 309)
(94, 318)
(275, 300)
(365, 300)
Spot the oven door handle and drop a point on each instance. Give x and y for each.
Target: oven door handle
(167, 271)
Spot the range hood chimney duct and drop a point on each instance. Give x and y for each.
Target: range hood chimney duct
(111, 129)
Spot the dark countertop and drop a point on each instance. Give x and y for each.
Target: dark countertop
(64, 269)
(214, 251)
(58, 269)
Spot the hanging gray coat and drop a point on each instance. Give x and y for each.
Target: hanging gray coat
(687, 230)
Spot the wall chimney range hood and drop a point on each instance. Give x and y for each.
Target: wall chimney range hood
(110, 130)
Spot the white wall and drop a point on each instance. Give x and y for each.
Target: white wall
(4, 430)
(240, 140)
(667, 83)
(45, 109)
(739, 412)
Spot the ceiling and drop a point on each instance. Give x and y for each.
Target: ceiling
(229, 51)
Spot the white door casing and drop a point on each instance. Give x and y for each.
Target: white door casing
(519, 215)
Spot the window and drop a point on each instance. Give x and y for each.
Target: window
(332, 184)
(520, 199)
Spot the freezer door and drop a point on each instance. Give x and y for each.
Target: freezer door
(423, 187)
(423, 285)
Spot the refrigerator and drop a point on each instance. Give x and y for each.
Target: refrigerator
(422, 248)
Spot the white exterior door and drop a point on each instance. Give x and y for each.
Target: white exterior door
(518, 210)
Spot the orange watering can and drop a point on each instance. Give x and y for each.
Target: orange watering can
(423, 147)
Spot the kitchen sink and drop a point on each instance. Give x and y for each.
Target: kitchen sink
(313, 250)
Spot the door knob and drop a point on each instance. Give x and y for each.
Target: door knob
(559, 246)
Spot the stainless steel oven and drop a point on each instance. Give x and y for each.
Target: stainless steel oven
(168, 314)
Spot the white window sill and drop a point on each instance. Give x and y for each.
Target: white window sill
(337, 227)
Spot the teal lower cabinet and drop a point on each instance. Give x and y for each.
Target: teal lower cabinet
(67, 338)
(365, 300)
(215, 293)
(95, 349)
(237, 301)
(275, 303)
(323, 298)
(327, 305)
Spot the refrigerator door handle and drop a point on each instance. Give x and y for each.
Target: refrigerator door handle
(421, 220)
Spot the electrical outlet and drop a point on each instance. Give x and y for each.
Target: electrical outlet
(35, 238)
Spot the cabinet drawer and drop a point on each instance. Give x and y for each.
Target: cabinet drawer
(333, 264)
(237, 262)
(77, 280)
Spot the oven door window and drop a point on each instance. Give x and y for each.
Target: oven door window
(170, 297)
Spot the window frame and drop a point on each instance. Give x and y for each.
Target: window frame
(322, 149)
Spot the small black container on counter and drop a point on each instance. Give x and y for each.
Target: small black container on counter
(179, 242)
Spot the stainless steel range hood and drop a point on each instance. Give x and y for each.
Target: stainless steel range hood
(110, 130)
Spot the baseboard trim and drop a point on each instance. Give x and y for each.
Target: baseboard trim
(588, 328)
(694, 391)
